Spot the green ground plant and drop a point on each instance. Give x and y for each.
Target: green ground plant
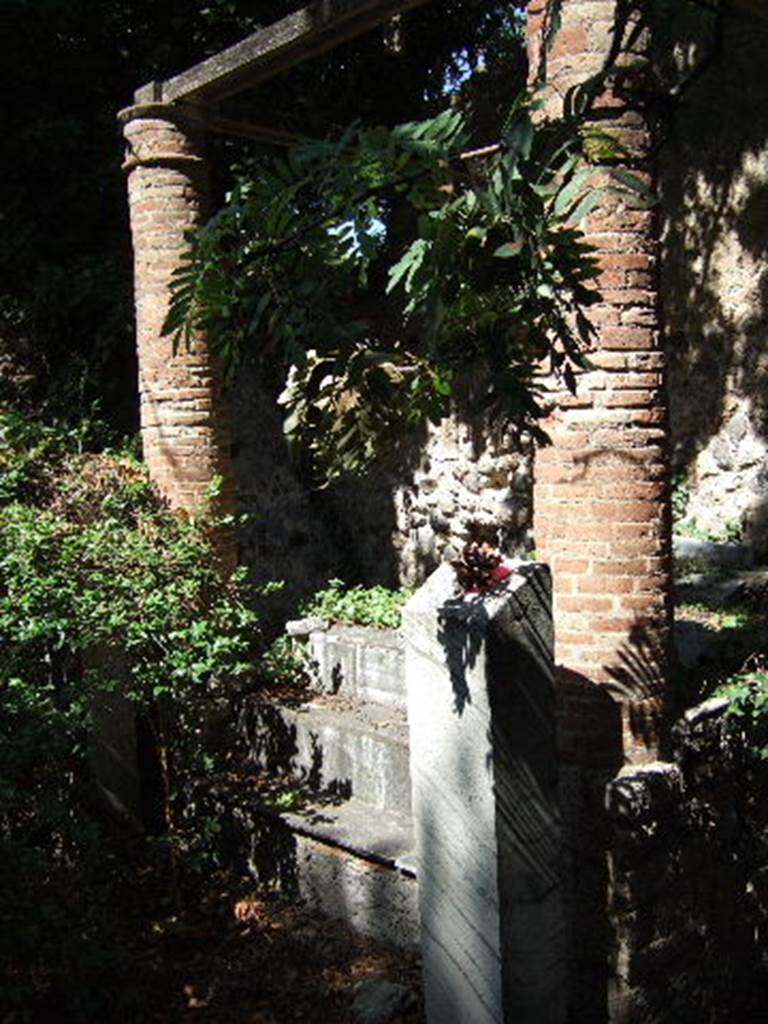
(730, 532)
(680, 498)
(736, 617)
(286, 660)
(358, 605)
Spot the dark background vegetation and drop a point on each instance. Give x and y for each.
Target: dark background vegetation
(66, 332)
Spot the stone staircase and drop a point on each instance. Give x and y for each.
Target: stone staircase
(348, 849)
(468, 780)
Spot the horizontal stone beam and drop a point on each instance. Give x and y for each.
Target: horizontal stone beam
(276, 48)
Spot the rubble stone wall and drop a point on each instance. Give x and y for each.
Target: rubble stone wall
(714, 206)
(390, 527)
(688, 859)
(459, 481)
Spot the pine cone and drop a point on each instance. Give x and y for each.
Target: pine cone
(476, 568)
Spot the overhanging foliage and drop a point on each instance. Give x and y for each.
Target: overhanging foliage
(486, 272)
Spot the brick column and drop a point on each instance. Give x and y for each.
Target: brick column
(601, 502)
(183, 427)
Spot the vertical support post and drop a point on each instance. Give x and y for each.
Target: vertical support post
(183, 426)
(484, 783)
(601, 492)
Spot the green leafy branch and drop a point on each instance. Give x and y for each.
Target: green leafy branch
(104, 590)
(486, 271)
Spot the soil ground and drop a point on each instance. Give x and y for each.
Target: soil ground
(123, 951)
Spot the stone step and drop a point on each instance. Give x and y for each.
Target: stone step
(335, 746)
(381, 837)
(360, 661)
(348, 861)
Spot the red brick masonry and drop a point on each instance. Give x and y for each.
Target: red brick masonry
(183, 427)
(601, 503)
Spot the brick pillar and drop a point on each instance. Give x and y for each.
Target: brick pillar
(601, 502)
(183, 427)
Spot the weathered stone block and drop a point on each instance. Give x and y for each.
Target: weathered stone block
(344, 748)
(642, 801)
(482, 726)
(365, 662)
(343, 861)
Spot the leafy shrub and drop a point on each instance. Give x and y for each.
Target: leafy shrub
(729, 532)
(363, 606)
(102, 590)
(91, 562)
(747, 694)
(286, 660)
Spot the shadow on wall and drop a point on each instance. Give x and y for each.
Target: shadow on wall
(461, 636)
(297, 533)
(599, 727)
(589, 742)
(363, 516)
(714, 188)
(639, 685)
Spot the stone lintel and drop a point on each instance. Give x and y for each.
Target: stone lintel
(306, 33)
